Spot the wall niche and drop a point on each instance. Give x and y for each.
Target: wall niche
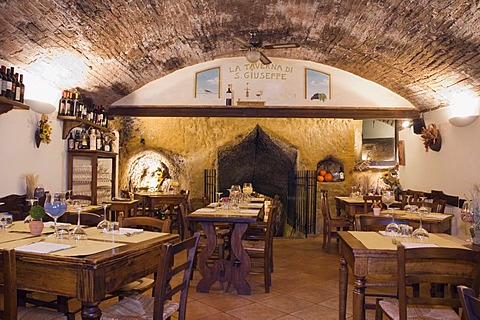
(330, 170)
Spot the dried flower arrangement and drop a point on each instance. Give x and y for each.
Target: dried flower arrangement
(431, 138)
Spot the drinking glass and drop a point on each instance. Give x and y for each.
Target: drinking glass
(55, 206)
(235, 192)
(247, 188)
(78, 233)
(408, 207)
(388, 198)
(104, 224)
(467, 216)
(421, 233)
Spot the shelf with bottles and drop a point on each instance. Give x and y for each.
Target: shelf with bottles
(77, 110)
(8, 104)
(91, 140)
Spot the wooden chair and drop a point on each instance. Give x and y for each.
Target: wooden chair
(160, 306)
(369, 223)
(8, 290)
(261, 252)
(86, 218)
(147, 223)
(368, 202)
(470, 303)
(436, 205)
(449, 266)
(331, 224)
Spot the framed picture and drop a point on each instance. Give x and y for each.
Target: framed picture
(317, 85)
(207, 83)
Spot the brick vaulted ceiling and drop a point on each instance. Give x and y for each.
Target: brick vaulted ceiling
(420, 49)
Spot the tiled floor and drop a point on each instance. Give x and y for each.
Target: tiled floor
(304, 286)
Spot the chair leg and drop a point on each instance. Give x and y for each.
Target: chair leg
(329, 236)
(324, 234)
(267, 275)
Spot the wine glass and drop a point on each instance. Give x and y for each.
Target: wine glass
(392, 229)
(421, 233)
(104, 224)
(467, 216)
(235, 192)
(388, 198)
(408, 207)
(55, 206)
(78, 233)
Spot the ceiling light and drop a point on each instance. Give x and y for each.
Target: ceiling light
(462, 121)
(253, 56)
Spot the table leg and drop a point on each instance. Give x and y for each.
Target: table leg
(359, 298)
(343, 289)
(209, 274)
(239, 272)
(91, 311)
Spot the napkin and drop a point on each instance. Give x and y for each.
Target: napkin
(126, 231)
(248, 211)
(43, 247)
(59, 224)
(205, 210)
(410, 245)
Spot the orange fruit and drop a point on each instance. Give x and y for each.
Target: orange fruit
(320, 178)
(328, 177)
(323, 173)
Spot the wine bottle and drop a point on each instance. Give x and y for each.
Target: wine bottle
(93, 140)
(228, 96)
(78, 140)
(61, 104)
(341, 174)
(12, 79)
(68, 104)
(17, 88)
(22, 89)
(4, 81)
(8, 89)
(71, 142)
(99, 140)
(85, 143)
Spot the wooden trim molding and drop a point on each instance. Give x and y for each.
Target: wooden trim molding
(339, 112)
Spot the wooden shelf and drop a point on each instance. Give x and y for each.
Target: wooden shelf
(70, 122)
(89, 152)
(7, 105)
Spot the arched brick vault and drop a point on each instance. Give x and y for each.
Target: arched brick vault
(419, 49)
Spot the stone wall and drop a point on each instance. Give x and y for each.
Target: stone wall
(194, 142)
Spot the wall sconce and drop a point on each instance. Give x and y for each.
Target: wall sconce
(464, 110)
(40, 106)
(252, 56)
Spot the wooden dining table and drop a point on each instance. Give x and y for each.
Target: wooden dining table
(152, 200)
(352, 206)
(432, 222)
(224, 270)
(372, 253)
(89, 277)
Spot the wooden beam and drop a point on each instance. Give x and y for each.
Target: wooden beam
(266, 112)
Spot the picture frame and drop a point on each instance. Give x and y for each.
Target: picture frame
(317, 85)
(207, 83)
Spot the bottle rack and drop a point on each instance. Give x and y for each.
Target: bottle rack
(70, 122)
(8, 104)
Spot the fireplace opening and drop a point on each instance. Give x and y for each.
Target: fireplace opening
(258, 158)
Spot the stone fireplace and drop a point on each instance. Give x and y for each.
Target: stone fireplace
(258, 158)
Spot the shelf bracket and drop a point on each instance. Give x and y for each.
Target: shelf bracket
(68, 125)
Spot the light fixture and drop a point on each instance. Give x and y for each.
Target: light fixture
(252, 56)
(463, 110)
(406, 124)
(40, 106)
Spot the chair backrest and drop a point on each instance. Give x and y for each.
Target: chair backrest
(470, 303)
(368, 223)
(182, 221)
(172, 262)
(436, 205)
(86, 218)
(368, 201)
(271, 224)
(415, 195)
(325, 208)
(9, 286)
(147, 223)
(448, 266)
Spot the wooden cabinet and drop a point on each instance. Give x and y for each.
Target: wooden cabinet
(92, 174)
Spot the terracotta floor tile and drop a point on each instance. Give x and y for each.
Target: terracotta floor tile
(314, 294)
(256, 311)
(227, 302)
(286, 303)
(317, 312)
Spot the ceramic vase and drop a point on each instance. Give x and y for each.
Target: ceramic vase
(36, 227)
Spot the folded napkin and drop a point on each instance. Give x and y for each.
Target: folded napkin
(249, 211)
(52, 225)
(410, 245)
(205, 210)
(126, 231)
(43, 247)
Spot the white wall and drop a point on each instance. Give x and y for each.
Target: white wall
(454, 169)
(18, 153)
